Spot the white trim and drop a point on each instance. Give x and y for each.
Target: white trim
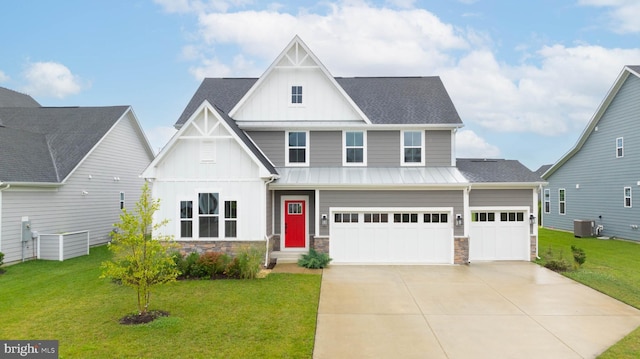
(306, 150)
(318, 215)
(339, 126)
(422, 149)
(364, 149)
(306, 222)
(546, 198)
(624, 193)
(560, 201)
(620, 148)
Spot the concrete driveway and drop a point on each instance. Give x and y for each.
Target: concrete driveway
(484, 310)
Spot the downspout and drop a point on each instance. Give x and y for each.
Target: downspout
(266, 236)
(2, 189)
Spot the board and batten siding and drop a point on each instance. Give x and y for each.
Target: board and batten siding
(114, 166)
(321, 101)
(600, 176)
(390, 198)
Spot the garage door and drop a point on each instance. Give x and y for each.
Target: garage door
(386, 236)
(499, 235)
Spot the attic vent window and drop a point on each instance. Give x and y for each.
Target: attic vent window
(296, 94)
(208, 151)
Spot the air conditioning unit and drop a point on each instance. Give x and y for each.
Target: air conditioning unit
(583, 227)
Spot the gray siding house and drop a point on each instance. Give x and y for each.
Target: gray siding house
(361, 168)
(596, 180)
(65, 175)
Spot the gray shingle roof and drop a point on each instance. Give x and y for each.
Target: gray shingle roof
(478, 170)
(10, 98)
(540, 171)
(44, 144)
(635, 68)
(385, 100)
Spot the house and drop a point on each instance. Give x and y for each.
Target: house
(595, 180)
(65, 175)
(361, 168)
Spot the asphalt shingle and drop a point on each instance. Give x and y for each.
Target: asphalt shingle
(478, 170)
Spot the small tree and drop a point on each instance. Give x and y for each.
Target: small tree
(140, 261)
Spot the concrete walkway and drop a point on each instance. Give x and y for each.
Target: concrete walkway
(484, 310)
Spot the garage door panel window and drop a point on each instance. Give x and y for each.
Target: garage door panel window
(345, 218)
(483, 217)
(512, 216)
(405, 218)
(376, 218)
(436, 218)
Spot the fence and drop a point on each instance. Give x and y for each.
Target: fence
(63, 246)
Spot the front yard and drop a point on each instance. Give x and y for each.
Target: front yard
(612, 267)
(66, 301)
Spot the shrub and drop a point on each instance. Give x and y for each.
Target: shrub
(314, 260)
(556, 262)
(578, 255)
(246, 264)
(213, 263)
(1, 261)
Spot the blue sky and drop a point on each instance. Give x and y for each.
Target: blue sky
(525, 76)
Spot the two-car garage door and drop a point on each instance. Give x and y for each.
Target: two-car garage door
(391, 236)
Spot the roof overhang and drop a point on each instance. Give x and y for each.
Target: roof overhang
(329, 125)
(507, 185)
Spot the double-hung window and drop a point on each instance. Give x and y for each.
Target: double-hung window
(619, 147)
(297, 148)
(547, 201)
(412, 148)
(230, 219)
(121, 200)
(186, 219)
(208, 215)
(627, 197)
(355, 152)
(562, 207)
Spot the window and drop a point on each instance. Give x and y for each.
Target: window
(354, 148)
(436, 218)
(483, 217)
(512, 217)
(208, 215)
(346, 218)
(296, 94)
(627, 197)
(296, 148)
(619, 147)
(376, 218)
(547, 201)
(186, 219)
(230, 219)
(121, 200)
(412, 147)
(562, 201)
(405, 217)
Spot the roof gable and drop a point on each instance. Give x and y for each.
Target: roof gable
(591, 126)
(10, 98)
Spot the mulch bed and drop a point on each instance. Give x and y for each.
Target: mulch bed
(148, 317)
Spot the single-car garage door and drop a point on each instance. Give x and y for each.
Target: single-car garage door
(391, 236)
(499, 234)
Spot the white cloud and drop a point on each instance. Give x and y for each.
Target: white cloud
(623, 14)
(3, 77)
(470, 145)
(51, 79)
(159, 136)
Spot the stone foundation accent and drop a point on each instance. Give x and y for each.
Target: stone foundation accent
(228, 247)
(275, 242)
(320, 244)
(534, 247)
(461, 250)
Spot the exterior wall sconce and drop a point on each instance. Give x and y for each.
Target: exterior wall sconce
(459, 220)
(324, 221)
(532, 219)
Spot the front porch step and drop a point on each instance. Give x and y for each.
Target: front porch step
(287, 256)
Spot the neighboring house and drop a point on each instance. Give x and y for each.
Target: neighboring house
(596, 180)
(65, 173)
(541, 170)
(361, 168)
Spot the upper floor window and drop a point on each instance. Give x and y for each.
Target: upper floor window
(627, 197)
(619, 147)
(354, 148)
(562, 200)
(297, 148)
(413, 148)
(547, 201)
(296, 94)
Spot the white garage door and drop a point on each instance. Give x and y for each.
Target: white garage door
(499, 235)
(384, 236)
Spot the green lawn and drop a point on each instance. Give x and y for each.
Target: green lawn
(270, 317)
(612, 267)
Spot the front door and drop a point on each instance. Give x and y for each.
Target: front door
(294, 224)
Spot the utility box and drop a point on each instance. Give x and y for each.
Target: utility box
(583, 227)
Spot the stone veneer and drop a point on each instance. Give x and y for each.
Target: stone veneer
(461, 250)
(228, 247)
(534, 248)
(320, 244)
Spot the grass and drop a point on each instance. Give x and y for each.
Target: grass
(270, 317)
(611, 267)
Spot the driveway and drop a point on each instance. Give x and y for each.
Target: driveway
(484, 310)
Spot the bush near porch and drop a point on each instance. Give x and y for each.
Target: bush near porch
(611, 267)
(270, 317)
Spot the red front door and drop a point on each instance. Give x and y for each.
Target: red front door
(294, 224)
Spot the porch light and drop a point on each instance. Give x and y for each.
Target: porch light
(458, 219)
(532, 219)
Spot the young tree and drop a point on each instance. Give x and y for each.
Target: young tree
(140, 261)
